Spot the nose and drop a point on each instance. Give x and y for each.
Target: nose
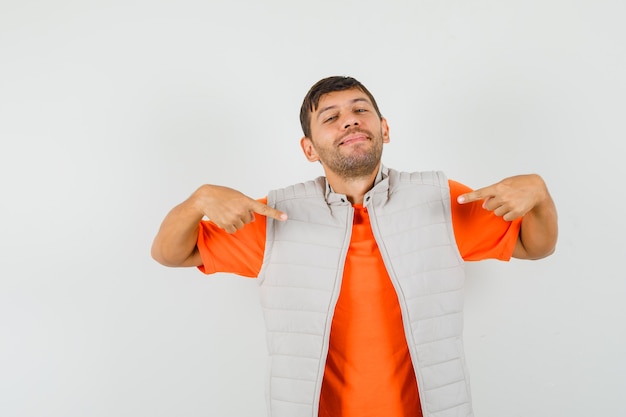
(350, 122)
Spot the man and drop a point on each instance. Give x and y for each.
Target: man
(361, 271)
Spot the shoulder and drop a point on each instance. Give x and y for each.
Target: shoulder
(312, 188)
(433, 178)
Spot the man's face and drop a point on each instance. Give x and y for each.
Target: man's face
(347, 135)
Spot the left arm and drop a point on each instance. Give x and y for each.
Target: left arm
(523, 196)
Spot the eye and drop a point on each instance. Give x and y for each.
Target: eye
(330, 118)
(360, 110)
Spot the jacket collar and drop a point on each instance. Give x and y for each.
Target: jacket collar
(381, 185)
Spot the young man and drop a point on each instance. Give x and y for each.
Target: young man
(361, 271)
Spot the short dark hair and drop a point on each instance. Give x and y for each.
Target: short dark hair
(325, 86)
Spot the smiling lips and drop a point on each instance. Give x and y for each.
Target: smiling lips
(353, 138)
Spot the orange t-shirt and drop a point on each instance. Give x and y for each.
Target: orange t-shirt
(368, 369)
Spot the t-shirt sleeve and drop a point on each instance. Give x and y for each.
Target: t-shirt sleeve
(479, 233)
(239, 253)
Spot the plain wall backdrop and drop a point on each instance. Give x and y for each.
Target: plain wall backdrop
(112, 112)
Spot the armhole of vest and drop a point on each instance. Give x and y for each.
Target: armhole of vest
(446, 199)
(269, 238)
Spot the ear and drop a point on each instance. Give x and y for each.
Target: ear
(384, 127)
(309, 150)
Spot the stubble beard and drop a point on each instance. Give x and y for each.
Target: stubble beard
(360, 163)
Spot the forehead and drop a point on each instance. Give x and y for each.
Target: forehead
(340, 98)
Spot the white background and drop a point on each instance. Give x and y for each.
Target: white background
(112, 112)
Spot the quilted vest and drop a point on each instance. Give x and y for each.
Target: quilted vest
(301, 278)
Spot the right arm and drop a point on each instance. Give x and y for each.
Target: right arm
(176, 241)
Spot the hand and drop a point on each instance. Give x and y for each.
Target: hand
(510, 198)
(230, 209)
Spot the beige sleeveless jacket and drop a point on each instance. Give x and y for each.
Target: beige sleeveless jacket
(301, 277)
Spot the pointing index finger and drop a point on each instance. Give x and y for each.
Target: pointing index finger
(268, 211)
(475, 195)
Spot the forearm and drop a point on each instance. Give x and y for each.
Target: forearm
(175, 243)
(539, 231)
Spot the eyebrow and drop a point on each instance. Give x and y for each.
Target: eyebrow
(356, 100)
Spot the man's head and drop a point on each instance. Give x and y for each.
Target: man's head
(343, 128)
(325, 86)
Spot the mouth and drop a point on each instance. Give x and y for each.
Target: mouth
(353, 138)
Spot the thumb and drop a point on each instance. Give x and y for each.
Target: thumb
(267, 211)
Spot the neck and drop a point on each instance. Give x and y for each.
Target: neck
(353, 188)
